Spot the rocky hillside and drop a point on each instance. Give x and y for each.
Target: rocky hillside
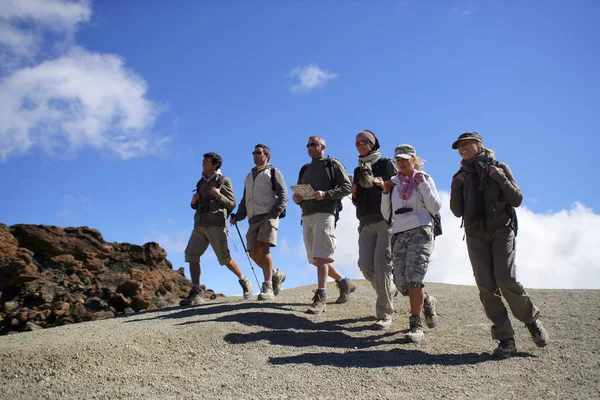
(52, 276)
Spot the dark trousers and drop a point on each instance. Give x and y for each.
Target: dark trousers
(492, 256)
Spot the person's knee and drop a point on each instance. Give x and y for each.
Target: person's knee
(264, 248)
(255, 253)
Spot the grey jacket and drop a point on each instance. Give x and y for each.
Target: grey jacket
(316, 175)
(264, 193)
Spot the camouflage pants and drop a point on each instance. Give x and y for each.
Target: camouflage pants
(411, 251)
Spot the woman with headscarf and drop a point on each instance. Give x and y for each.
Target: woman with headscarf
(411, 199)
(374, 253)
(484, 193)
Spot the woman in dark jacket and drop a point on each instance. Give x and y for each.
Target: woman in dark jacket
(484, 193)
(374, 253)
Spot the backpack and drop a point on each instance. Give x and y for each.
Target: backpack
(282, 215)
(437, 223)
(329, 167)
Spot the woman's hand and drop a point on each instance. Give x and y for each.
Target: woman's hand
(378, 181)
(419, 178)
(492, 169)
(354, 190)
(387, 186)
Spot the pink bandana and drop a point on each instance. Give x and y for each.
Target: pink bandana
(407, 185)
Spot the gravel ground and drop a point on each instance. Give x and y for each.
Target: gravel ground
(233, 348)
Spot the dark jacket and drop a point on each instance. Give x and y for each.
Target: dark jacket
(316, 175)
(368, 200)
(501, 190)
(209, 210)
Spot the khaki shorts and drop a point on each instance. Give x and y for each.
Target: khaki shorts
(319, 236)
(201, 237)
(264, 230)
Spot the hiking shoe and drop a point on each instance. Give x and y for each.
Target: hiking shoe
(266, 293)
(538, 333)
(415, 332)
(346, 288)
(431, 317)
(383, 324)
(319, 302)
(246, 287)
(278, 279)
(194, 298)
(506, 348)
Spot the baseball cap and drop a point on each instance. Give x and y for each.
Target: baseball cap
(467, 136)
(405, 151)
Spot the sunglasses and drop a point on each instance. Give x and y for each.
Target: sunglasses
(312, 144)
(257, 152)
(362, 142)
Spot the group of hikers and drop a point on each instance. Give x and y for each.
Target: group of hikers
(397, 205)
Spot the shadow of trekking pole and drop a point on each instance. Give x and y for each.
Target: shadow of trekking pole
(247, 254)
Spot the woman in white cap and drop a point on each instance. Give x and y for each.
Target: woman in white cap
(374, 231)
(411, 199)
(484, 193)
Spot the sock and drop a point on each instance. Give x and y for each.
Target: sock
(196, 288)
(242, 277)
(345, 280)
(426, 298)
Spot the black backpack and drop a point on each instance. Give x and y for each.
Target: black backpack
(282, 215)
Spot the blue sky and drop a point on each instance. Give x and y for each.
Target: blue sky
(107, 107)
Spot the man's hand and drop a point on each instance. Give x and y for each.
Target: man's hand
(232, 219)
(297, 198)
(216, 193)
(318, 195)
(195, 198)
(387, 186)
(493, 169)
(419, 178)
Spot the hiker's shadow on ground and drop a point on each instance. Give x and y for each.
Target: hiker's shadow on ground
(211, 309)
(380, 358)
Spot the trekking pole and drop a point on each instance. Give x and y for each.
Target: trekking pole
(247, 254)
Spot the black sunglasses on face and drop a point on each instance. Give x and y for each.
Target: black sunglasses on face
(312, 144)
(362, 142)
(257, 152)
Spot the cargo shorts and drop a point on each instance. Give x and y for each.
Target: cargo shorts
(263, 229)
(201, 237)
(411, 252)
(319, 236)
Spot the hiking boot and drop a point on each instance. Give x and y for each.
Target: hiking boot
(346, 288)
(431, 317)
(506, 348)
(415, 332)
(194, 298)
(266, 292)
(246, 287)
(319, 302)
(278, 279)
(538, 334)
(383, 324)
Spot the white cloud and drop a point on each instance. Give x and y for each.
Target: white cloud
(470, 10)
(71, 98)
(554, 250)
(310, 77)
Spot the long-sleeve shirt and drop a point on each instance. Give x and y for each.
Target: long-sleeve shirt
(424, 201)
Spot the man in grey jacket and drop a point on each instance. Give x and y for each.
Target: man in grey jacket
(264, 200)
(330, 183)
(213, 200)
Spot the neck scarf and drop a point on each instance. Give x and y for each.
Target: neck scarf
(407, 185)
(478, 174)
(365, 176)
